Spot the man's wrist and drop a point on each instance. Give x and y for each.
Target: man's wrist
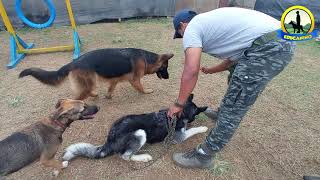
(213, 69)
(178, 104)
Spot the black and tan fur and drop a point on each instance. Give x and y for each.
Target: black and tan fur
(42, 139)
(113, 65)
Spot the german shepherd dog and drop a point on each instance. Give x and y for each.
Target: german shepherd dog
(113, 65)
(128, 134)
(42, 139)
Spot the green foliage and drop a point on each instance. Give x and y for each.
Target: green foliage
(220, 166)
(15, 102)
(201, 117)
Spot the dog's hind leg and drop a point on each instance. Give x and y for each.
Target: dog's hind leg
(139, 138)
(89, 85)
(78, 86)
(82, 83)
(111, 88)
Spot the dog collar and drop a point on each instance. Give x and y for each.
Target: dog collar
(58, 123)
(162, 114)
(145, 66)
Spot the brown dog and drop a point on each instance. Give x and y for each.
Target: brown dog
(42, 139)
(113, 65)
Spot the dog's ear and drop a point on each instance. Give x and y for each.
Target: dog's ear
(190, 98)
(166, 57)
(57, 113)
(59, 110)
(202, 109)
(59, 103)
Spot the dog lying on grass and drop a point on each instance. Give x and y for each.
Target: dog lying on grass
(128, 134)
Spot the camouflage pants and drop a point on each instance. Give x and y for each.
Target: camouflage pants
(265, 59)
(231, 70)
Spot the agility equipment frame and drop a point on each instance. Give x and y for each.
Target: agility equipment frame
(19, 49)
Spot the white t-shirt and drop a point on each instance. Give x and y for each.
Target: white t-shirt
(226, 32)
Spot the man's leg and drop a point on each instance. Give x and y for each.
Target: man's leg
(248, 81)
(234, 106)
(237, 101)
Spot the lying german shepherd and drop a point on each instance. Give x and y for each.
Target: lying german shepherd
(130, 133)
(42, 139)
(113, 65)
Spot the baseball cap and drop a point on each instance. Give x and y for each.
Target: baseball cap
(184, 15)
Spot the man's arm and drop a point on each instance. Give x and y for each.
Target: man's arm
(218, 68)
(190, 73)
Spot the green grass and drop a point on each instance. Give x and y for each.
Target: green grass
(117, 40)
(15, 102)
(311, 47)
(147, 21)
(220, 166)
(26, 30)
(201, 117)
(299, 82)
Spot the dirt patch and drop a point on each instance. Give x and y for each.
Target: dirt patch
(278, 139)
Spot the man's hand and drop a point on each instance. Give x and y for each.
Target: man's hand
(174, 111)
(218, 68)
(206, 70)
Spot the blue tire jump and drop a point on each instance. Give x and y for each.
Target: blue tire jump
(52, 11)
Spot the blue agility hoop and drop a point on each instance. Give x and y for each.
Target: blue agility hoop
(34, 25)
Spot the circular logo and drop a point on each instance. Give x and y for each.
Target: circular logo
(297, 20)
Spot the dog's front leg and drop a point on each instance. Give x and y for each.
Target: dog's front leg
(179, 136)
(47, 159)
(193, 131)
(138, 86)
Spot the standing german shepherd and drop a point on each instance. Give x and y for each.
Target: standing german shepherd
(42, 139)
(113, 65)
(128, 134)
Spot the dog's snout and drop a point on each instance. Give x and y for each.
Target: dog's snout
(95, 108)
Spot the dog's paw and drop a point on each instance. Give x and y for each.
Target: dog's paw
(65, 164)
(203, 129)
(148, 91)
(55, 173)
(141, 158)
(108, 96)
(94, 94)
(146, 158)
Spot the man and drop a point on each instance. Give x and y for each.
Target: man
(298, 19)
(243, 38)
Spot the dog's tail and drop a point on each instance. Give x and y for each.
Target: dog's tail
(48, 77)
(87, 150)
